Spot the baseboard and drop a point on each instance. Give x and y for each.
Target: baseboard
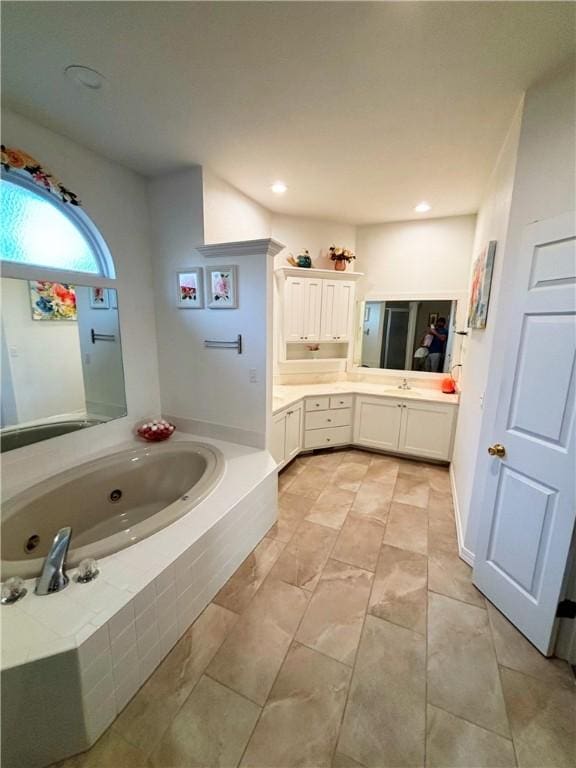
(463, 551)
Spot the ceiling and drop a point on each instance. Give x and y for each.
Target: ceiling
(363, 109)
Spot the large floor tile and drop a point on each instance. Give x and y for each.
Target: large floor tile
(412, 490)
(147, 716)
(211, 729)
(462, 671)
(381, 471)
(110, 750)
(343, 761)
(440, 505)
(384, 722)
(311, 482)
(373, 500)
(292, 509)
(439, 478)
(331, 506)
(300, 722)
(543, 720)
(358, 456)
(515, 652)
(243, 585)
(251, 656)
(442, 534)
(407, 528)
(333, 620)
(449, 575)
(305, 555)
(359, 542)
(349, 475)
(455, 743)
(399, 593)
(329, 460)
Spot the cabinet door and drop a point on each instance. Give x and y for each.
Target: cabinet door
(377, 422)
(337, 297)
(311, 310)
(294, 300)
(427, 429)
(277, 448)
(293, 439)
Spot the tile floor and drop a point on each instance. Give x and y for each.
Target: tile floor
(351, 636)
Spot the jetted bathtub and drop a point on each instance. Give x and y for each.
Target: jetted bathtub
(110, 503)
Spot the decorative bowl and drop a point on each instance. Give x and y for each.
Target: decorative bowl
(156, 430)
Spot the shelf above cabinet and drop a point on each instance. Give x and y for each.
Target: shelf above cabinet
(331, 274)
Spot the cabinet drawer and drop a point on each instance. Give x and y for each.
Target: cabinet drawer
(341, 417)
(321, 438)
(317, 403)
(341, 401)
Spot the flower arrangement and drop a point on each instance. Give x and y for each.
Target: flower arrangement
(12, 158)
(341, 254)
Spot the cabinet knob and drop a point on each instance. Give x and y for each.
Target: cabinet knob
(329, 421)
(327, 439)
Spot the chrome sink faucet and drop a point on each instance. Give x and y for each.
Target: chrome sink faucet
(53, 577)
(404, 385)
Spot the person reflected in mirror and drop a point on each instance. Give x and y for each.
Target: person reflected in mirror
(422, 352)
(437, 348)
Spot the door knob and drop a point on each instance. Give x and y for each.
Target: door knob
(497, 450)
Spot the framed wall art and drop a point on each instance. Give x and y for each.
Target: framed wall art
(190, 288)
(222, 287)
(480, 288)
(99, 298)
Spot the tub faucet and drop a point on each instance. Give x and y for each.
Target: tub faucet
(53, 577)
(404, 384)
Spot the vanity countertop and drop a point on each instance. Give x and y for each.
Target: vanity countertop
(288, 394)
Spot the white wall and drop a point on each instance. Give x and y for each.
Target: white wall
(208, 390)
(492, 224)
(428, 255)
(543, 187)
(115, 199)
(230, 215)
(299, 234)
(43, 358)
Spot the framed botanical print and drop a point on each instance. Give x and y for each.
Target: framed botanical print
(99, 298)
(52, 301)
(190, 288)
(222, 287)
(480, 288)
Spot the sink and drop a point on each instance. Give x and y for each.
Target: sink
(402, 392)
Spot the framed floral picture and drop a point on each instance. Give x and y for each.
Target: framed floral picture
(480, 288)
(99, 298)
(52, 301)
(190, 288)
(222, 287)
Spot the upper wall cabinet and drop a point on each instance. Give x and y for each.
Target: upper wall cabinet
(316, 306)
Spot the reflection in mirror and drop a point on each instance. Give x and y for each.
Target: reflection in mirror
(61, 360)
(408, 335)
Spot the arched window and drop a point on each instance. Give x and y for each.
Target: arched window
(43, 225)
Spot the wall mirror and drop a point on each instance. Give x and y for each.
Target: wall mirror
(407, 335)
(61, 360)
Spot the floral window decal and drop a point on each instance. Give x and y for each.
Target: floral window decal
(17, 159)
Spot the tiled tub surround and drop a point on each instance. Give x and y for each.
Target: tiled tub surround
(73, 660)
(351, 636)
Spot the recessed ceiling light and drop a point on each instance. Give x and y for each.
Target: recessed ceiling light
(278, 187)
(423, 207)
(86, 76)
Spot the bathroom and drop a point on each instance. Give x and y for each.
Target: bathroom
(288, 384)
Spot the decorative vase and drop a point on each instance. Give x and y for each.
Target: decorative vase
(340, 265)
(304, 261)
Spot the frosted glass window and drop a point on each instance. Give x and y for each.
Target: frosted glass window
(34, 230)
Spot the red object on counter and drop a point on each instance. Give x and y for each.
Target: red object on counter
(448, 385)
(155, 431)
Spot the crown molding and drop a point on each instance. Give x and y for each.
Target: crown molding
(323, 273)
(265, 247)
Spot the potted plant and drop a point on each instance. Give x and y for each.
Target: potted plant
(341, 257)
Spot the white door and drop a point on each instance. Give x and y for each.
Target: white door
(293, 439)
(530, 504)
(312, 305)
(377, 422)
(426, 429)
(277, 448)
(294, 298)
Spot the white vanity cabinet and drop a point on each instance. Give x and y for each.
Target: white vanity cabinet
(336, 313)
(302, 302)
(328, 421)
(423, 429)
(287, 434)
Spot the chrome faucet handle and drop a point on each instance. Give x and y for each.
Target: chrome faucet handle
(53, 577)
